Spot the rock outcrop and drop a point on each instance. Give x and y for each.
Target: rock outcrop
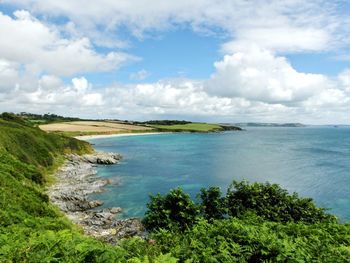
(76, 180)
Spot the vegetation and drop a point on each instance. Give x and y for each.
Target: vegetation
(251, 223)
(273, 203)
(268, 201)
(235, 228)
(175, 210)
(194, 127)
(44, 118)
(165, 122)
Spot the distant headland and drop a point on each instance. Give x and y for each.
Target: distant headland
(269, 124)
(71, 126)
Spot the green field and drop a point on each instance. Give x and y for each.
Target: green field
(189, 127)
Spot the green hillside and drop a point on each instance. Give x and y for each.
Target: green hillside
(193, 127)
(251, 223)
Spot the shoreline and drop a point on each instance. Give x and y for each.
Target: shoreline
(100, 136)
(76, 180)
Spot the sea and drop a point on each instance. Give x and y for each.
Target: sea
(313, 161)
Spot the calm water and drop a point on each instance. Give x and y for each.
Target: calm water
(314, 162)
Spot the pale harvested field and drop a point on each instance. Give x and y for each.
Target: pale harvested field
(92, 126)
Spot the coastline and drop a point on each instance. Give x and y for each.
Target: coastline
(76, 180)
(100, 136)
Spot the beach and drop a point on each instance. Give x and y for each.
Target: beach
(99, 136)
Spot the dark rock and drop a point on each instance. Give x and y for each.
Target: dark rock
(115, 210)
(76, 181)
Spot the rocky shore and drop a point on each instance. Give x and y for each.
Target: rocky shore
(76, 181)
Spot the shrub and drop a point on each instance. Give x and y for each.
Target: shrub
(213, 205)
(273, 203)
(174, 210)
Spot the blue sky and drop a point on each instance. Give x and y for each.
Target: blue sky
(177, 53)
(227, 60)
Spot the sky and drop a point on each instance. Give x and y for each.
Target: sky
(200, 60)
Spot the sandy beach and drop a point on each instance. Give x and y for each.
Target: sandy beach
(98, 136)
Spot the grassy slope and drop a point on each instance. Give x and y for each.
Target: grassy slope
(190, 127)
(31, 229)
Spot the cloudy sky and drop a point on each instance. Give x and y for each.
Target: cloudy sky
(204, 60)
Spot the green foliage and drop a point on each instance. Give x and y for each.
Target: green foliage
(7, 116)
(174, 210)
(273, 203)
(194, 127)
(252, 239)
(166, 122)
(213, 205)
(269, 201)
(190, 127)
(45, 118)
(34, 146)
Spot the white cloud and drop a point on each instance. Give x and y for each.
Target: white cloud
(51, 93)
(186, 99)
(281, 38)
(257, 74)
(8, 74)
(253, 81)
(26, 40)
(283, 25)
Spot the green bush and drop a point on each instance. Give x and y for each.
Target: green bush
(213, 205)
(252, 239)
(174, 210)
(273, 203)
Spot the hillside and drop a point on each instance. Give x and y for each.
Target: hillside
(31, 229)
(252, 223)
(78, 128)
(187, 126)
(83, 127)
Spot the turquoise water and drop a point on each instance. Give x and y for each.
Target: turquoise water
(315, 162)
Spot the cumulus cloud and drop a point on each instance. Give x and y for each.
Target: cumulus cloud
(253, 81)
(257, 74)
(28, 41)
(51, 94)
(8, 74)
(283, 25)
(179, 99)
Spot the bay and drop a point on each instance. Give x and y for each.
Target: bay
(312, 161)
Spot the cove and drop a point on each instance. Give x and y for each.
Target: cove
(312, 161)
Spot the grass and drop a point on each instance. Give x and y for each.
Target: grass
(31, 228)
(189, 127)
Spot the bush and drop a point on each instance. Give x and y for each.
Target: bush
(213, 205)
(252, 239)
(273, 203)
(174, 210)
(268, 201)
